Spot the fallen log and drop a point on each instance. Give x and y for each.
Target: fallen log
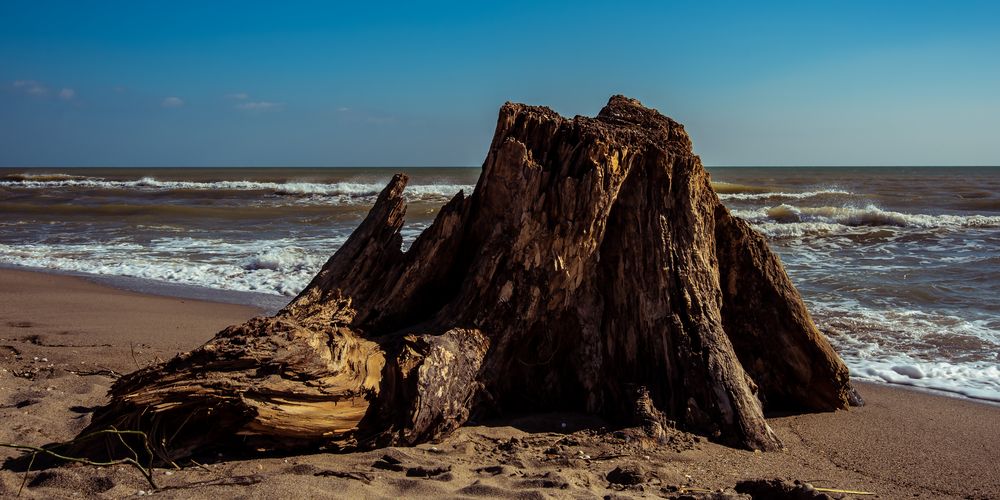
(592, 269)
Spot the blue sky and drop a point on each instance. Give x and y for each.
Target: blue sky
(145, 83)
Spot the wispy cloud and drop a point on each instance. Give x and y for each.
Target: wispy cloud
(32, 87)
(260, 106)
(172, 102)
(39, 89)
(245, 104)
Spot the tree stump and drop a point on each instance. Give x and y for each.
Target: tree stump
(593, 269)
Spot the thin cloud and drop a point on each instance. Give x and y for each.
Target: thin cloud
(31, 87)
(245, 104)
(172, 102)
(260, 106)
(67, 94)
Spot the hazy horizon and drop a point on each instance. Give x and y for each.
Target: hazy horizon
(314, 84)
(165, 167)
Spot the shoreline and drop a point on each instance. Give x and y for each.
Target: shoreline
(270, 303)
(64, 338)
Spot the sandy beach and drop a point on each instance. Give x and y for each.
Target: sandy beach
(63, 340)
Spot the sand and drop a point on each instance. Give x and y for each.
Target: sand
(64, 339)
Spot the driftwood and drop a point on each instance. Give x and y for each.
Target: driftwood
(593, 269)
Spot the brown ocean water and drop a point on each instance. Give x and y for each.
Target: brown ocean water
(899, 266)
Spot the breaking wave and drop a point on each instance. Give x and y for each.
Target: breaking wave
(41, 177)
(790, 220)
(345, 191)
(779, 195)
(277, 267)
(735, 188)
(916, 348)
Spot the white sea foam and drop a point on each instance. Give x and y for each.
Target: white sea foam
(280, 259)
(793, 221)
(780, 195)
(975, 380)
(345, 191)
(927, 349)
(275, 267)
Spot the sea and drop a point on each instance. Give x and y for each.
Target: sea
(899, 267)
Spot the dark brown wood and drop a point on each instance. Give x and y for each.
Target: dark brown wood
(593, 269)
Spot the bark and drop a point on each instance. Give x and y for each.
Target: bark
(592, 269)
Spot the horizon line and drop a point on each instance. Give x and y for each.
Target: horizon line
(475, 166)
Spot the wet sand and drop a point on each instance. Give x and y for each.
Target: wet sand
(64, 339)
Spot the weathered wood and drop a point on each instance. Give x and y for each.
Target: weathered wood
(592, 269)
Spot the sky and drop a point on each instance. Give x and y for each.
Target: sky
(151, 83)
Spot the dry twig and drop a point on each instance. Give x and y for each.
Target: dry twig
(146, 471)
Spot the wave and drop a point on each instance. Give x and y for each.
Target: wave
(345, 191)
(277, 267)
(318, 213)
(748, 192)
(734, 188)
(932, 350)
(781, 195)
(974, 380)
(790, 220)
(279, 259)
(41, 177)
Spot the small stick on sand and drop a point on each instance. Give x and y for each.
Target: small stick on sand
(848, 492)
(146, 471)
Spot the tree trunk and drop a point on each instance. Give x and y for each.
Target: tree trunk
(593, 269)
